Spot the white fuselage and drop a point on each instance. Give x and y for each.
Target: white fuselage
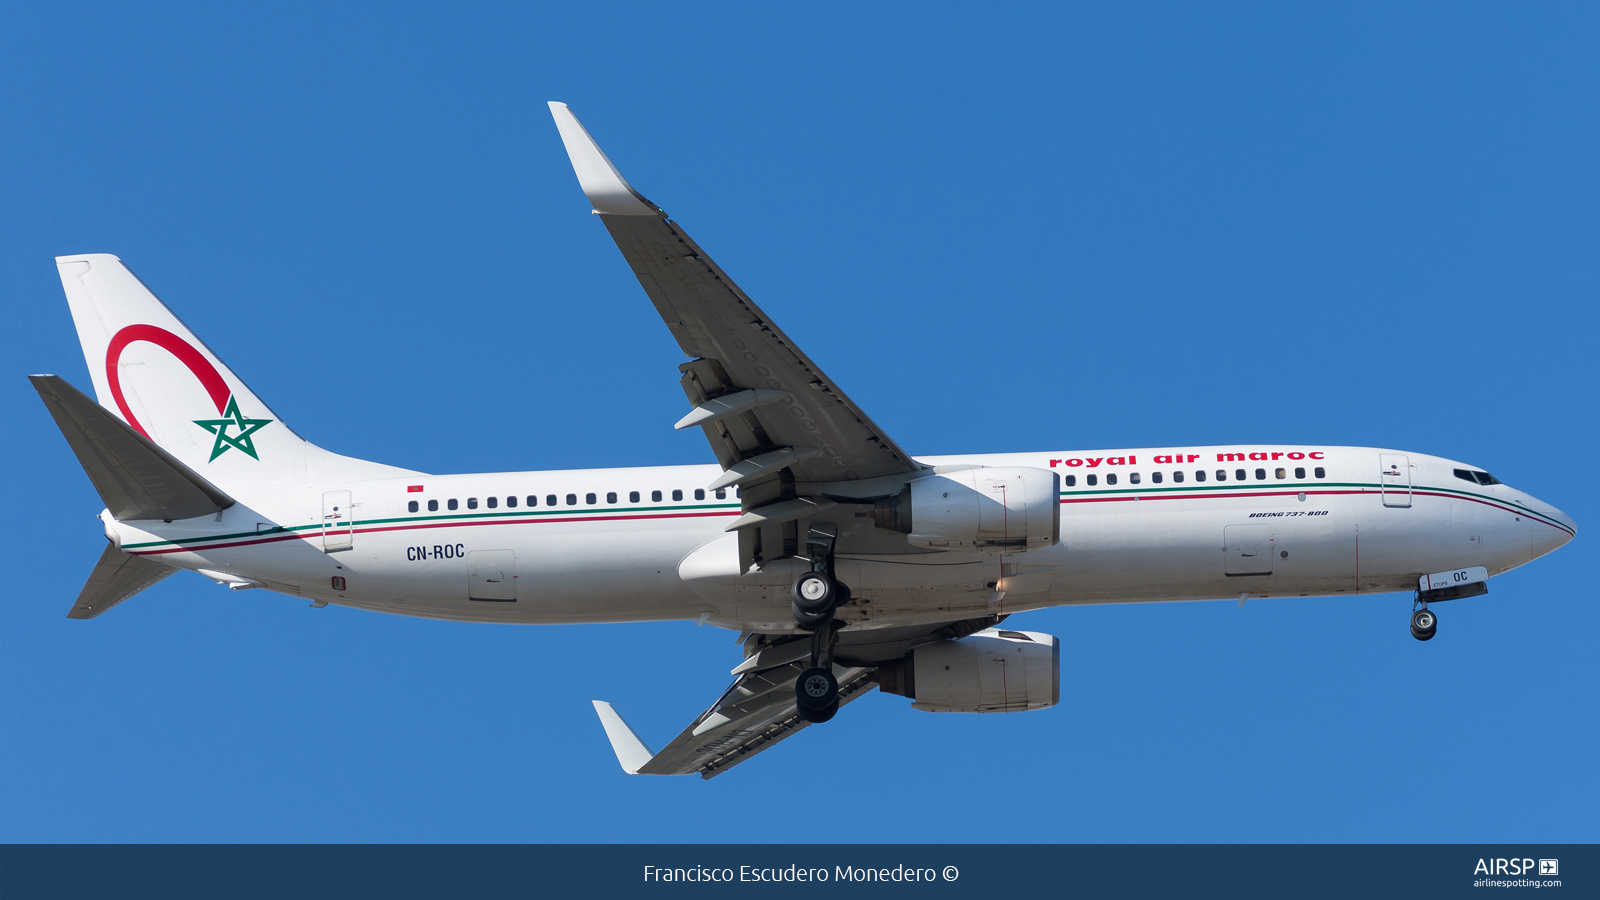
(1138, 533)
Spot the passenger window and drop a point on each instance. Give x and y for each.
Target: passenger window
(1071, 480)
(1222, 474)
(1261, 474)
(472, 503)
(633, 496)
(1238, 474)
(1111, 478)
(1199, 474)
(433, 506)
(1299, 472)
(492, 502)
(511, 503)
(611, 497)
(1320, 472)
(677, 495)
(722, 494)
(1155, 477)
(699, 493)
(572, 499)
(1280, 474)
(1178, 476)
(1133, 478)
(549, 499)
(655, 496)
(451, 504)
(590, 499)
(1093, 480)
(412, 506)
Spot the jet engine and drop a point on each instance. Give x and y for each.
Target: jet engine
(992, 671)
(1005, 507)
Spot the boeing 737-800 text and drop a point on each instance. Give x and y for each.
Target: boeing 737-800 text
(843, 560)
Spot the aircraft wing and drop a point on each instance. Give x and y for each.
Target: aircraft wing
(764, 405)
(757, 711)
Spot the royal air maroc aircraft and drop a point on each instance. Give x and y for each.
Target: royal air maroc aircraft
(843, 560)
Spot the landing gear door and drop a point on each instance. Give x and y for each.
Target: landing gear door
(338, 522)
(1247, 550)
(1394, 479)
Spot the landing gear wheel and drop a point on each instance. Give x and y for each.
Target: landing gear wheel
(815, 690)
(809, 621)
(813, 592)
(1424, 625)
(818, 715)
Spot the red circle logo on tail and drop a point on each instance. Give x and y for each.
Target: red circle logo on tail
(204, 372)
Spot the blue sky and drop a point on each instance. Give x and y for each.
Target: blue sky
(1026, 228)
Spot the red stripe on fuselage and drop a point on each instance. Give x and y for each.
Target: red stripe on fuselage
(308, 535)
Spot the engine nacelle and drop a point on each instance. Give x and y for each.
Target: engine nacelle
(990, 672)
(1005, 507)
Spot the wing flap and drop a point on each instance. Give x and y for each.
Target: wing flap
(755, 713)
(712, 319)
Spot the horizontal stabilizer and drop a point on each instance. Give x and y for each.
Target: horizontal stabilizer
(116, 577)
(135, 478)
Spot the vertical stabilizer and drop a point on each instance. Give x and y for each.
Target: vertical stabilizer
(151, 371)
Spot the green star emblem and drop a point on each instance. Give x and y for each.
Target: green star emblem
(233, 418)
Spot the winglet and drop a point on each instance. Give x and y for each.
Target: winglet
(631, 752)
(608, 192)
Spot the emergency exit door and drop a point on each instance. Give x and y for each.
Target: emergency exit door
(338, 522)
(1394, 479)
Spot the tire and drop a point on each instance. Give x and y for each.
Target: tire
(810, 621)
(814, 593)
(819, 715)
(1424, 625)
(816, 689)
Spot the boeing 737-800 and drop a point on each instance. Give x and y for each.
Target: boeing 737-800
(844, 561)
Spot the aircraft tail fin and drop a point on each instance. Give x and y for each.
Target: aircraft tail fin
(135, 478)
(116, 577)
(153, 373)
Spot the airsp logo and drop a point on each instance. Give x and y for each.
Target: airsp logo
(1516, 867)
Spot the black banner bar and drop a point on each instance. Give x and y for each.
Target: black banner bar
(671, 870)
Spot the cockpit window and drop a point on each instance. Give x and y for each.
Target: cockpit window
(1486, 478)
(1464, 475)
(1476, 477)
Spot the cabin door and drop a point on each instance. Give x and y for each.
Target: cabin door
(338, 522)
(1394, 479)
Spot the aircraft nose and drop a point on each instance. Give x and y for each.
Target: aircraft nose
(1550, 538)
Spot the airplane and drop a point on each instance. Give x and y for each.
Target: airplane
(843, 561)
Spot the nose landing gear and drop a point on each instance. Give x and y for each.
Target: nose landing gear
(816, 691)
(1424, 624)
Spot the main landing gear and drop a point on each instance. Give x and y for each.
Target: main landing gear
(816, 593)
(1424, 624)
